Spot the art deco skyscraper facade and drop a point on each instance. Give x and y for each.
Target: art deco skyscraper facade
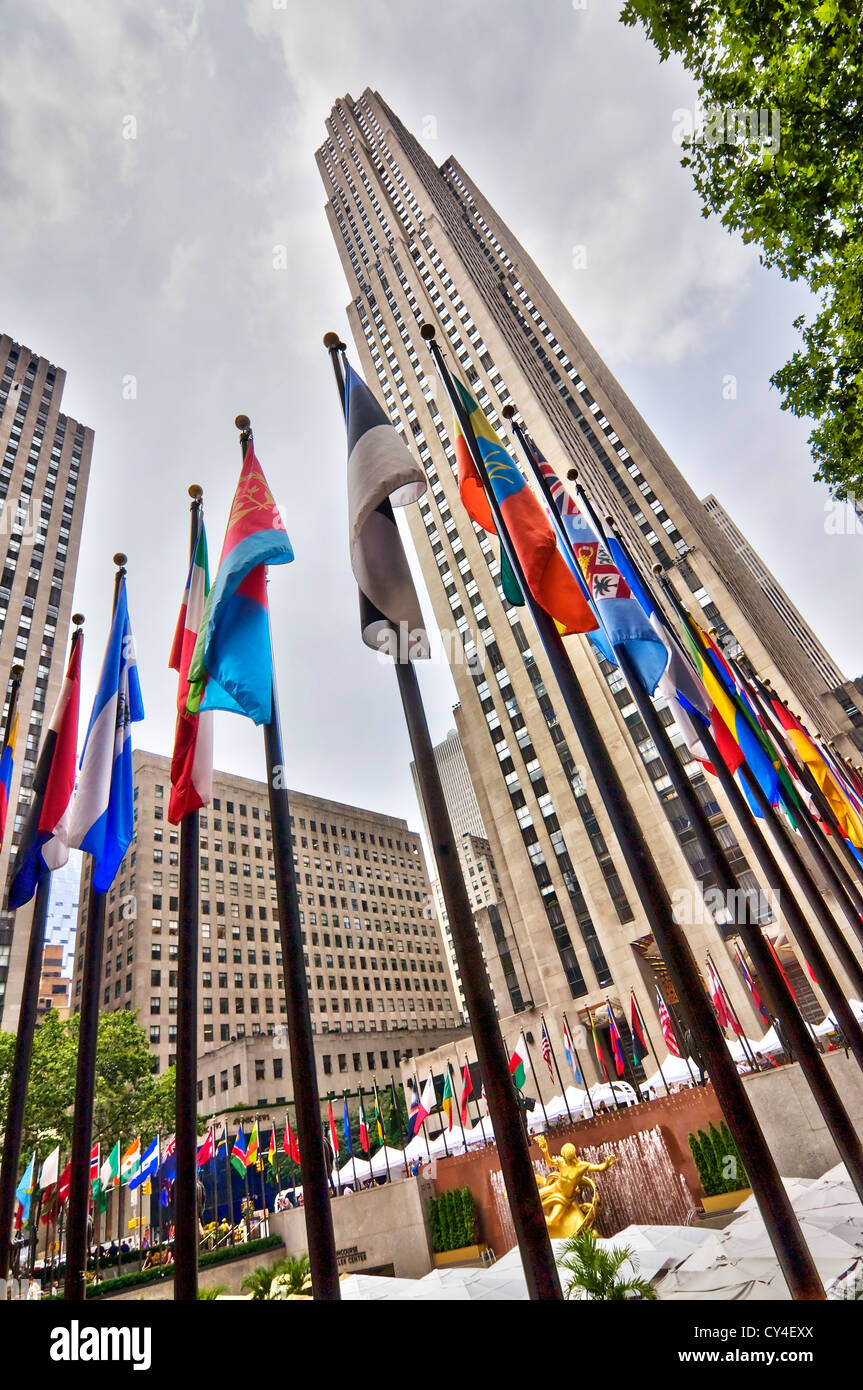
(43, 486)
(419, 243)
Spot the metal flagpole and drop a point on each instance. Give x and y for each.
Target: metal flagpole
(348, 1138)
(316, 1197)
(556, 1067)
(85, 1079)
(396, 1111)
(649, 1042)
(186, 1179)
(384, 1145)
(538, 1087)
(528, 1220)
(441, 1112)
(599, 1057)
(458, 1104)
(792, 1252)
(744, 1041)
(580, 1067)
(25, 1032)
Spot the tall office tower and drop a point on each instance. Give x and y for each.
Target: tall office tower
(460, 797)
(62, 921)
(374, 953)
(419, 243)
(43, 487)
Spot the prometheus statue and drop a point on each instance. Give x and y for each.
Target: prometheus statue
(561, 1192)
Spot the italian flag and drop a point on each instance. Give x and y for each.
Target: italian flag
(518, 1063)
(192, 762)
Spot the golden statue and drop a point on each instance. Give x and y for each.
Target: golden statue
(560, 1193)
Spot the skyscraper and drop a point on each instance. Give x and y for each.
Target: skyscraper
(43, 486)
(419, 243)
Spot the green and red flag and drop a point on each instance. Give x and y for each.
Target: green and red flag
(597, 1049)
(446, 1102)
(639, 1040)
(192, 761)
(519, 1066)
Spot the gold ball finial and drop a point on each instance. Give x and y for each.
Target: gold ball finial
(332, 340)
(196, 492)
(77, 619)
(242, 422)
(427, 332)
(120, 559)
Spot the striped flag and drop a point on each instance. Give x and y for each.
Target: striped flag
(639, 1041)
(446, 1102)
(724, 1014)
(7, 760)
(271, 1149)
(667, 1026)
(334, 1138)
(289, 1143)
(569, 1052)
(364, 1132)
(466, 1090)
(131, 1161)
(597, 1050)
(44, 843)
(379, 1124)
(149, 1164)
(518, 1063)
(192, 761)
(545, 1043)
(95, 1169)
(750, 984)
(238, 1152)
(382, 474)
(616, 1045)
(102, 811)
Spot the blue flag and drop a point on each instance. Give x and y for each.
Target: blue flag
(102, 813)
(149, 1165)
(346, 1124)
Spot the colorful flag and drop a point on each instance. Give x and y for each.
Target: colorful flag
(466, 1090)
(771, 948)
(750, 985)
(192, 761)
(95, 1170)
(346, 1126)
(109, 1173)
(64, 1183)
(289, 1143)
(416, 1113)
(131, 1161)
(446, 1103)
(519, 1066)
(382, 474)
(24, 1192)
(149, 1164)
(843, 808)
(569, 1052)
(428, 1099)
(231, 666)
(334, 1138)
(639, 1041)
(364, 1133)
(207, 1149)
(724, 1013)
(616, 1045)
(545, 1042)
(49, 1170)
(271, 1150)
(101, 817)
(43, 839)
(222, 1141)
(548, 576)
(379, 1124)
(252, 1150)
(7, 761)
(597, 1049)
(667, 1026)
(238, 1152)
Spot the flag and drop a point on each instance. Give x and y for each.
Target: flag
(131, 1161)
(750, 985)
(466, 1090)
(238, 1152)
(24, 1192)
(775, 956)
(289, 1143)
(271, 1150)
(207, 1149)
(616, 1046)
(346, 1126)
(639, 1041)
(416, 1113)
(667, 1026)
(446, 1103)
(64, 1183)
(149, 1165)
(843, 808)
(364, 1133)
(382, 474)
(252, 1150)
(109, 1173)
(724, 1015)
(101, 818)
(597, 1049)
(7, 760)
(94, 1169)
(518, 1063)
(49, 1170)
(379, 1123)
(428, 1099)
(623, 620)
(192, 761)
(569, 1052)
(334, 1138)
(231, 667)
(546, 572)
(43, 839)
(546, 1049)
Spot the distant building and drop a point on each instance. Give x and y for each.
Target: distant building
(62, 921)
(54, 984)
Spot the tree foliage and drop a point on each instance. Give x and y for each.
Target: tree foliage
(794, 189)
(596, 1270)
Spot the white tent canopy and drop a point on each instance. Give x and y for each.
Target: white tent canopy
(602, 1093)
(396, 1163)
(676, 1073)
(355, 1171)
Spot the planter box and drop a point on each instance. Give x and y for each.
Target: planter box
(463, 1256)
(726, 1201)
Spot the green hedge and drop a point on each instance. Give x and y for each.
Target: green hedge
(151, 1276)
(711, 1151)
(453, 1220)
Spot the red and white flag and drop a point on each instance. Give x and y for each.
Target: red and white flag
(546, 1050)
(206, 1151)
(667, 1026)
(724, 1016)
(192, 763)
(334, 1138)
(466, 1091)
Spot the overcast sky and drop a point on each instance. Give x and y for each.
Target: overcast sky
(152, 258)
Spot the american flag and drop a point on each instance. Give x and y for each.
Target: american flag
(667, 1026)
(546, 1050)
(750, 985)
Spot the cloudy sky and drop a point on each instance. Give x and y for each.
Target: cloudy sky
(154, 155)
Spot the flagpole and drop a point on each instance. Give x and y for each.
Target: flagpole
(26, 1029)
(395, 1112)
(538, 1087)
(316, 1197)
(383, 1131)
(440, 1112)
(580, 1067)
(451, 1074)
(85, 1079)
(649, 1041)
(601, 1058)
(744, 1041)
(528, 1220)
(613, 1028)
(556, 1067)
(792, 1252)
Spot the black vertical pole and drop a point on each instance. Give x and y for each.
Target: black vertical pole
(580, 1067)
(316, 1195)
(528, 1219)
(649, 1042)
(85, 1079)
(556, 1067)
(792, 1252)
(744, 1041)
(456, 1103)
(536, 1074)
